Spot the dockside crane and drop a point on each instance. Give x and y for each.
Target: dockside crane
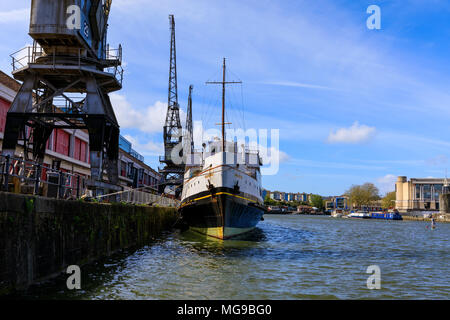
(188, 145)
(72, 63)
(172, 173)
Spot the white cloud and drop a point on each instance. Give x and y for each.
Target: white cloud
(147, 120)
(386, 184)
(14, 15)
(355, 134)
(268, 155)
(147, 148)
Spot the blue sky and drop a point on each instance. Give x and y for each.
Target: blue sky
(353, 105)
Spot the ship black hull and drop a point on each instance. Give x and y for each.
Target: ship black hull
(222, 213)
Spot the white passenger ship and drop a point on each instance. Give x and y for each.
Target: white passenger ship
(222, 192)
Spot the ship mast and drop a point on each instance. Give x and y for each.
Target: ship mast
(223, 83)
(223, 107)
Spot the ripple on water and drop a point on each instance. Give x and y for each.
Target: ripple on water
(286, 257)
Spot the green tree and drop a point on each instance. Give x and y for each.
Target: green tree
(317, 201)
(363, 195)
(268, 201)
(295, 203)
(389, 200)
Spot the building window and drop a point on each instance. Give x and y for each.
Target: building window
(62, 142)
(417, 192)
(437, 191)
(140, 175)
(50, 141)
(130, 170)
(77, 149)
(427, 192)
(84, 156)
(123, 168)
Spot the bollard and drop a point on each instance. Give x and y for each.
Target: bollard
(37, 179)
(6, 172)
(78, 187)
(61, 185)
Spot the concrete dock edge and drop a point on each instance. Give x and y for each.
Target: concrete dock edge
(41, 237)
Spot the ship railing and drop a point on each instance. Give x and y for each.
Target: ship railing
(30, 177)
(140, 196)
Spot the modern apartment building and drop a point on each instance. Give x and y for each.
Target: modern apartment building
(287, 196)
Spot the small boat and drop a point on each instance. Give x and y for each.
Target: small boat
(360, 215)
(273, 209)
(390, 215)
(337, 213)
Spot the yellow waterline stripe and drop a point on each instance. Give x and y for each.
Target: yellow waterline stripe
(235, 196)
(202, 198)
(219, 193)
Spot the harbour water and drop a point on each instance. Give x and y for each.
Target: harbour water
(287, 257)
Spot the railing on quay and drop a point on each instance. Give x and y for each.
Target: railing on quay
(144, 195)
(61, 185)
(33, 176)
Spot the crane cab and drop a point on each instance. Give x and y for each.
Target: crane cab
(71, 25)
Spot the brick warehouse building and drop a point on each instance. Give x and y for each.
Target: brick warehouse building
(68, 149)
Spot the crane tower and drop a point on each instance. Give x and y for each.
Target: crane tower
(173, 170)
(69, 62)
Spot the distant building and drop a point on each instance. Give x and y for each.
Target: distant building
(337, 202)
(304, 209)
(133, 172)
(418, 193)
(276, 195)
(306, 197)
(287, 196)
(343, 202)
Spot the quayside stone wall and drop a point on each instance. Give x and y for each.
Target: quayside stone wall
(40, 237)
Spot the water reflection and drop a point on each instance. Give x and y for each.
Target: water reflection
(242, 244)
(255, 235)
(285, 257)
